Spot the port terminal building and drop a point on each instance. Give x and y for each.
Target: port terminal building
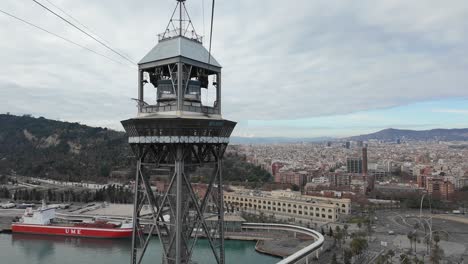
(287, 205)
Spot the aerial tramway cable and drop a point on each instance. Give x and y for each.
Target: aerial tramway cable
(77, 21)
(211, 31)
(211, 37)
(84, 32)
(203, 15)
(60, 37)
(83, 25)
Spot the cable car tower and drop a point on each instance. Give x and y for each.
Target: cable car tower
(171, 137)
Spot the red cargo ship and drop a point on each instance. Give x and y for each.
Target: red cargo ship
(41, 222)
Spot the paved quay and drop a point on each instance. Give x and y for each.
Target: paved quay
(282, 247)
(7, 216)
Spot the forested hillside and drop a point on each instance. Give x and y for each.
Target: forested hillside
(41, 147)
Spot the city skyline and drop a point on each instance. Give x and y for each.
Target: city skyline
(355, 69)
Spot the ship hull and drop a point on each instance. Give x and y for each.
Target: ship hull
(72, 231)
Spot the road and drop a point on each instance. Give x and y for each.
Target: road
(401, 222)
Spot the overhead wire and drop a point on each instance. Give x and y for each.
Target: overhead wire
(77, 21)
(83, 25)
(203, 15)
(84, 32)
(211, 32)
(60, 37)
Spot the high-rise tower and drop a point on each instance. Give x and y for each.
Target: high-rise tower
(171, 137)
(364, 161)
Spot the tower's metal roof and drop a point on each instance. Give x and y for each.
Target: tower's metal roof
(179, 46)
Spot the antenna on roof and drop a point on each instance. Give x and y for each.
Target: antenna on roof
(180, 26)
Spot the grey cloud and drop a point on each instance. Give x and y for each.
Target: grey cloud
(282, 60)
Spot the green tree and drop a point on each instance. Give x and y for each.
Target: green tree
(416, 260)
(338, 235)
(404, 259)
(436, 238)
(334, 260)
(391, 254)
(345, 231)
(415, 241)
(295, 187)
(410, 237)
(347, 256)
(437, 252)
(358, 245)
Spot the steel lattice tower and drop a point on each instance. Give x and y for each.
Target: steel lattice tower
(171, 138)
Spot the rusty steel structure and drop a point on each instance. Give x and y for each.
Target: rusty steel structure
(172, 137)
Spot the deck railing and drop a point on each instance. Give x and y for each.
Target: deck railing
(166, 108)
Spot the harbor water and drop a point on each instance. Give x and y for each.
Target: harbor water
(37, 249)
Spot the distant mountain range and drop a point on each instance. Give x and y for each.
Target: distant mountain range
(392, 134)
(276, 140)
(388, 135)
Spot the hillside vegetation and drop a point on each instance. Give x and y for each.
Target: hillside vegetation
(46, 148)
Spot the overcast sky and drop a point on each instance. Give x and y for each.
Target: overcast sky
(290, 68)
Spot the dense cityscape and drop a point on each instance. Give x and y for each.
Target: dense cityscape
(374, 168)
(378, 201)
(287, 132)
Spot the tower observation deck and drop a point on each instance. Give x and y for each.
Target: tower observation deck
(171, 137)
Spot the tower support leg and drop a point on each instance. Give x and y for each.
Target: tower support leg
(179, 170)
(176, 213)
(220, 209)
(135, 214)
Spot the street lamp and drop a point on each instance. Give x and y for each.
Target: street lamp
(426, 220)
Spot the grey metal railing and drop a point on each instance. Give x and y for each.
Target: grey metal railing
(190, 108)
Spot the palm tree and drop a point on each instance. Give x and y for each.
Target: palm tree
(347, 255)
(334, 260)
(415, 238)
(391, 254)
(338, 235)
(426, 227)
(427, 241)
(345, 231)
(404, 259)
(358, 245)
(437, 253)
(416, 260)
(410, 238)
(436, 238)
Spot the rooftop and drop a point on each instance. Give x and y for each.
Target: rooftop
(180, 46)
